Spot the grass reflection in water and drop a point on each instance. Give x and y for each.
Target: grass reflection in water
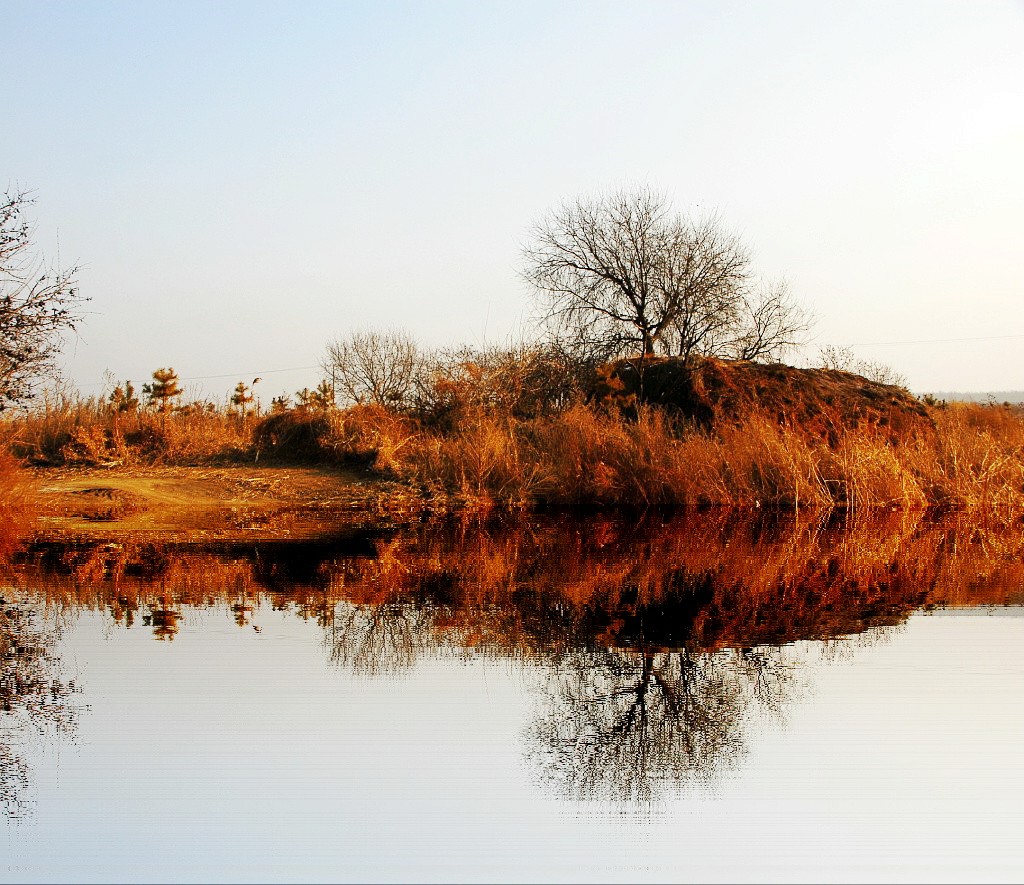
(655, 642)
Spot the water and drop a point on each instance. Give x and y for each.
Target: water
(547, 701)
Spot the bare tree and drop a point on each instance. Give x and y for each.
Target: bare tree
(37, 304)
(845, 360)
(624, 723)
(524, 380)
(770, 324)
(625, 274)
(34, 696)
(373, 367)
(380, 638)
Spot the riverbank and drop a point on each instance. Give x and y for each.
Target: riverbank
(583, 460)
(209, 504)
(661, 437)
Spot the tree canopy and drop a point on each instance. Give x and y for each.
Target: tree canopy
(373, 367)
(624, 274)
(37, 304)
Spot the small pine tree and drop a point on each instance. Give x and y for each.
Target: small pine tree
(305, 397)
(162, 389)
(280, 404)
(323, 397)
(241, 398)
(123, 398)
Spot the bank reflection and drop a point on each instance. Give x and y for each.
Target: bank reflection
(650, 646)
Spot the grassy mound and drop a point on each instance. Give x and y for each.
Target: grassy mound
(824, 403)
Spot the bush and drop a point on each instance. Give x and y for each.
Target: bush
(366, 435)
(521, 382)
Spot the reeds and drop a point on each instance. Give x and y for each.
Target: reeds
(16, 505)
(978, 459)
(585, 456)
(68, 430)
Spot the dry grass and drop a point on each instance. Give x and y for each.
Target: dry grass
(586, 458)
(69, 430)
(16, 505)
(978, 460)
(583, 457)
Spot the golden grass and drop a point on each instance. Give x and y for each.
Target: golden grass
(584, 457)
(68, 430)
(17, 509)
(978, 460)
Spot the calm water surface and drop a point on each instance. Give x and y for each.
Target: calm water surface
(544, 701)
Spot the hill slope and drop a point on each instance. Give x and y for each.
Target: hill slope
(821, 402)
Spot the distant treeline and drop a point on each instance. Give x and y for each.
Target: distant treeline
(1011, 397)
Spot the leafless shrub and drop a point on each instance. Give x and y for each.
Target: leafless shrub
(845, 360)
(770, 324)
(373, 367)
(519, 381)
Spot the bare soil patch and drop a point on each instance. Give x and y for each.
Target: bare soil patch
(215, 504)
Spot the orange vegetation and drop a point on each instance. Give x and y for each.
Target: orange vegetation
(16, 505)
(544, 587)
(744, 437)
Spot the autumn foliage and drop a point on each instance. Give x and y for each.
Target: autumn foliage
(516, 431)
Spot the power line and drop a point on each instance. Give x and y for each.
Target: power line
(257, 373)
(933, 341)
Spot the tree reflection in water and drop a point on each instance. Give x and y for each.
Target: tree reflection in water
(379, 639)
(616, 724)
(657, 642)
(34, 697)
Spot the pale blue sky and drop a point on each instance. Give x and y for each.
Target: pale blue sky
(242, 182)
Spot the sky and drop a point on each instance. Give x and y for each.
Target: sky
(243, 182)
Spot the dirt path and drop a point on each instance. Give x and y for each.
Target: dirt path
(222, 503)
